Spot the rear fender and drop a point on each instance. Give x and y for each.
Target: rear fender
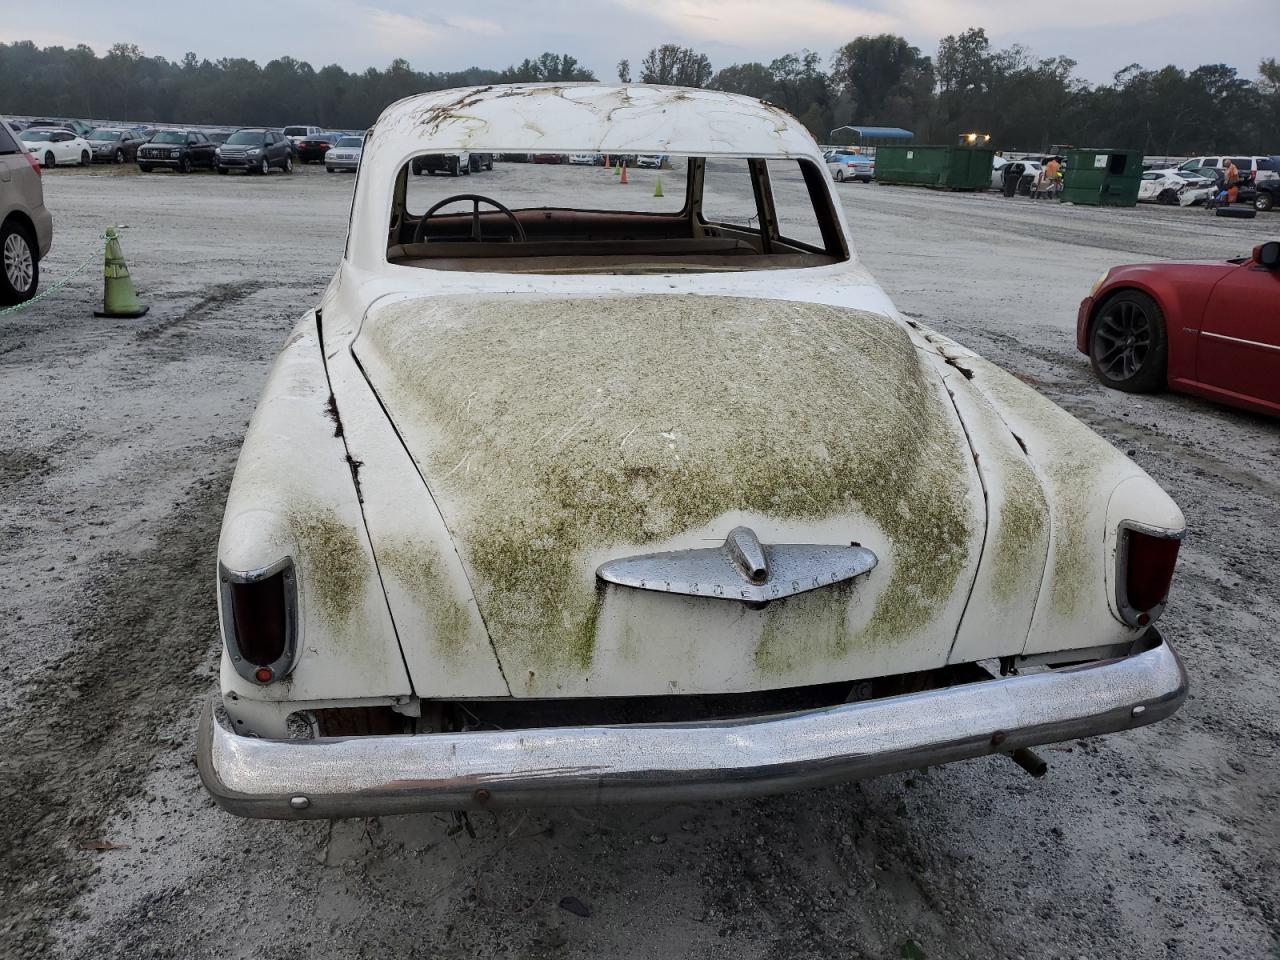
(1089, 488)
(293, 498)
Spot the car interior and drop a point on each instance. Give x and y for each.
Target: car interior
(684, 232)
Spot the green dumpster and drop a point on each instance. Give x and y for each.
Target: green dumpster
(1102, 177)
(950, 168)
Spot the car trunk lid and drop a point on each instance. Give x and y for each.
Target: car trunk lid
(558, 434)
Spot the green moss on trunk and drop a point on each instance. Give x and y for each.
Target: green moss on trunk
(550, 428)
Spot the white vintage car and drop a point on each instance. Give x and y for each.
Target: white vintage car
(652, 498)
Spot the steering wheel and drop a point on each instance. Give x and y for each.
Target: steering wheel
(476, 200)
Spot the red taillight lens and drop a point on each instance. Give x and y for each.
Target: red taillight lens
(34, 166)
(260, 618)
(1149, 563)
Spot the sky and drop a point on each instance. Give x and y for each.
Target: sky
(1102, 35)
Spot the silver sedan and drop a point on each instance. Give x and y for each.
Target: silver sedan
(344, 155)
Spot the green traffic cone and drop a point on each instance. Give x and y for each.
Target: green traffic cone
(119, 299)
(657, 187)
(617, 169)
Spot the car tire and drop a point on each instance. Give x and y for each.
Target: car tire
(1129, 343)
(222, 170)
(85, 159)
(1263, 202)
(287, 167)
(144, 167)
(839, 176)
(184, 165)
(1168, 198)
(50, 161)
(119, 157)
(330, 170)
(489, 165)
(19, 264)
(264, 167)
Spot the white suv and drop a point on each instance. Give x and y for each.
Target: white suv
(1246, 165)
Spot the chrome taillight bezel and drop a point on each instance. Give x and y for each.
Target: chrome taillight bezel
(283, 664)
(1128, 613)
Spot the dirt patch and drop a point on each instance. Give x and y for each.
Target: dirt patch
(81, 743)
(20, 466)
(214, 299)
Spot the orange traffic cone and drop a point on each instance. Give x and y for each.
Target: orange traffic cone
(624, 172)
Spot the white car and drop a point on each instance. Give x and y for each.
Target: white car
(52, 146)
(1032, 167)
(299, 133)
(584, 159)
(1175, 188)
(551, 504)
(344, 155)
(843, 165)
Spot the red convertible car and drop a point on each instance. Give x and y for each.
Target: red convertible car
(1210, 328)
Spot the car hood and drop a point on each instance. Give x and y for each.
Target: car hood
(555, 434)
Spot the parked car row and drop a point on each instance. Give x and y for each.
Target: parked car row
(253, 149)
(454, 164)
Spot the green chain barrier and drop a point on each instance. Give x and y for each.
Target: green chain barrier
(50, 291)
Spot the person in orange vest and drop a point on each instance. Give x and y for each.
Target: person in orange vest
(1231, 180)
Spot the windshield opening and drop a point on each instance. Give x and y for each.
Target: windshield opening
(575, 213)
(350, 142)
(33, 136)
(104, 135)
(169, 136)
(245, 137)
(295, 131)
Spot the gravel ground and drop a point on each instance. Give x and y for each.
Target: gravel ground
(118, 441)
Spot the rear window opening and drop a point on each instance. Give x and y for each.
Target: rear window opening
(674, 214)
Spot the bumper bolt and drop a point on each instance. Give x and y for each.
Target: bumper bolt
(299, 803)
(482, 795)
(998, 738)
(1138, 711)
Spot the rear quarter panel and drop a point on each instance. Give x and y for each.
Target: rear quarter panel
(1089, 488)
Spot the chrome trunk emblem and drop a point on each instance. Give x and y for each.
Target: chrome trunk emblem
(742, 569)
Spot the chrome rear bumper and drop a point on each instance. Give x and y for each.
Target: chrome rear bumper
(370, 776)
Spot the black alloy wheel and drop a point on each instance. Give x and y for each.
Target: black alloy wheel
(1128, 343)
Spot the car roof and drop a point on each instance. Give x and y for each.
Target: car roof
(583, 117)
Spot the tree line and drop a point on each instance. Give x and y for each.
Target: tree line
(1025, 102)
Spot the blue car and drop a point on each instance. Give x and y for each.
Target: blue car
(851, 166)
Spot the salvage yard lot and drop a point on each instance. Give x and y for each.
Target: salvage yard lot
(118, 441)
